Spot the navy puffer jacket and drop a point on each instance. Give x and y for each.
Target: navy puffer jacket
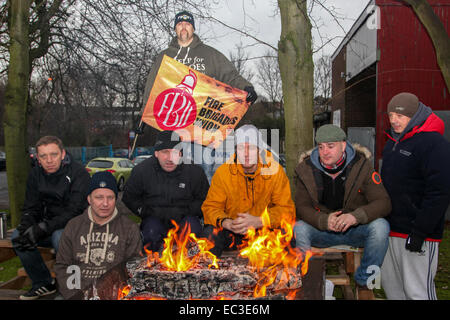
(416, 174)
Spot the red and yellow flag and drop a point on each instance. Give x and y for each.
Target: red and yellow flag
(197, 107)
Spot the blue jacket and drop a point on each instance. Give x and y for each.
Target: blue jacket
(416, 174)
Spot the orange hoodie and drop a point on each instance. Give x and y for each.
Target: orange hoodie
(232, 192)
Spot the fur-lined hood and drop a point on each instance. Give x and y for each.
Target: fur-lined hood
(356, 146)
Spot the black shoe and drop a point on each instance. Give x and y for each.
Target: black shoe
(34, 294)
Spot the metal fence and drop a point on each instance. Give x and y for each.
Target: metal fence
(84, 154)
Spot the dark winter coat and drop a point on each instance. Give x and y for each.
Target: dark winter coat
(364, 196)
(202, 58)
(57, 197)
(152, 192)
(416, 174)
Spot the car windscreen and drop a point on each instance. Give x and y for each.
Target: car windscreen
(100, 164)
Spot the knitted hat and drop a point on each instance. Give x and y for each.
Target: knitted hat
(404, 103)
(184, 16)
(330, 133)
(103, 179)
(250, 134)
(167, 140)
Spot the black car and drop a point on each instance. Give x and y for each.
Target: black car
(2, 160)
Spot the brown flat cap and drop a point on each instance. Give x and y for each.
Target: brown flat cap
(404, 103)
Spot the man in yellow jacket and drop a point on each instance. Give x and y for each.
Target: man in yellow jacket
(242, 188)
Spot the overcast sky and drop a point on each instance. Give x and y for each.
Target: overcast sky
(261, 19)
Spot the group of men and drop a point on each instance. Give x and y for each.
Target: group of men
(398, 216)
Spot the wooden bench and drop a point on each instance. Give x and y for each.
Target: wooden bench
(351, 258)
(11, 288)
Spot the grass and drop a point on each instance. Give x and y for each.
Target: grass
(442, 279)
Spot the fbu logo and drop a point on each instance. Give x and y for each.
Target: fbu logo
(175, 108)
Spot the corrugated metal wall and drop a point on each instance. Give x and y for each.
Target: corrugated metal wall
(407, 60)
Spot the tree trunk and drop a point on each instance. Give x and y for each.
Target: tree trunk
(297, 70)
(16, 100)
(437, 33)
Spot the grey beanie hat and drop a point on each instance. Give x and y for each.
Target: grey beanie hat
(330, 133)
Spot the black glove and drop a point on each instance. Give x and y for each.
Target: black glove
(36, 232)
(140, 129)
(251, 94)
(22, 243)
(25, 222)
(414, 242)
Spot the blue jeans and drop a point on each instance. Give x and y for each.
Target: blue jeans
(374, 237)
(154, 231)
(32, 260)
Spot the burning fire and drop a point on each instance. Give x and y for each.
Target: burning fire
(270, 253)
(183, 250)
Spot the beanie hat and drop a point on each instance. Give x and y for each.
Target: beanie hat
(330, 133)
(184, 16)
(404, 103)
(250, 134)
(167, 140)
(103, 179)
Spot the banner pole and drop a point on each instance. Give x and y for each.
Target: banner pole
(134, 142)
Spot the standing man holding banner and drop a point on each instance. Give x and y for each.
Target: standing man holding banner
(188, 49)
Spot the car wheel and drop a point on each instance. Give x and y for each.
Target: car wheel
(121, 184)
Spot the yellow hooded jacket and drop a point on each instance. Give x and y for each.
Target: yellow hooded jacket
(232, 192)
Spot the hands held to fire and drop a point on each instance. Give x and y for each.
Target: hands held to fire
(242, 223)
(339, 222)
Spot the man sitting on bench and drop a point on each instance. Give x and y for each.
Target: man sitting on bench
(340, 200)
(56, 192)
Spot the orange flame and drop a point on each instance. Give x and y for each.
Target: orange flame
(123, 292)
(178, 259)
(270, 253)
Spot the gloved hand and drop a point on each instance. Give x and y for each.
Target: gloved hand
(251, 94)
(414, 242)
(140, 129)
(26, 221)
(22, 243)
(36, 232)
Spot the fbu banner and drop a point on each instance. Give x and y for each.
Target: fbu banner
(199, 108)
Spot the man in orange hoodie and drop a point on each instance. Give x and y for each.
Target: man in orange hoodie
(250, 182)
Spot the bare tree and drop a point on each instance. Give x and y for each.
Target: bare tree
(269, 78)
(322, 77)
(296, 67)
(240, 58)
(104, 35)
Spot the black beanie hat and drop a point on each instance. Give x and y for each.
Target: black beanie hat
(167, 140)
(103, 179)
(184, 16)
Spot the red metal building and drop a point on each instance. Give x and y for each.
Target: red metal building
(387, 51)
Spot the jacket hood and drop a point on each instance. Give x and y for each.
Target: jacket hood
(351, 150)
(175, 46)
(91, 227)
(267, 165)
(424, 120)
(195, 42)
